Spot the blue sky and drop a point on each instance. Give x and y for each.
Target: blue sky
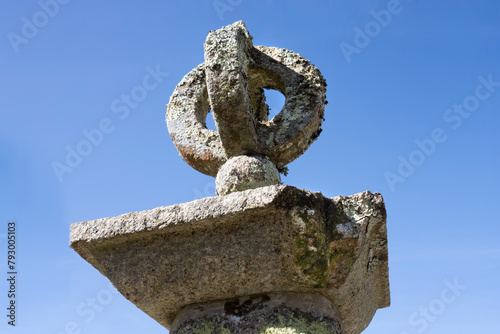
(413, 113)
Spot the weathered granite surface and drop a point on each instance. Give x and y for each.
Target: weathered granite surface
(230, 83)
(246, 172)
(269, 240)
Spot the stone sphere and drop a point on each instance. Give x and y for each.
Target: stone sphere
(246, 172)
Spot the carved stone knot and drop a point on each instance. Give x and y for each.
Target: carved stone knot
(230, 83)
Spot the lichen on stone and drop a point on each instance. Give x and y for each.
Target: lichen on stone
(280, 320)
(289, 323)
(230, 82)
(312, 250)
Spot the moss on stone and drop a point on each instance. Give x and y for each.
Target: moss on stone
(281, 320)
(323, 251)
(288, 323)
(312, 251)
(204, 328)
(207, 327)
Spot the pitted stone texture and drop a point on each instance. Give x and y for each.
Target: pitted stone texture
(235, 79)
(290, 133)
(226, 68)
(266, 314)
(246, 172)
(200, 147)
(273, 239)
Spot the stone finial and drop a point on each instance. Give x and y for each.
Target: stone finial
(271, 258)
(247, 149)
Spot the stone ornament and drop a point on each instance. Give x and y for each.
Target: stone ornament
(230, 83)
(265, 257)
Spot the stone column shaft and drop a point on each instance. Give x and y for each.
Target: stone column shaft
(261, 314)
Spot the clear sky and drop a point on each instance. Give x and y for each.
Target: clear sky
(413, 113)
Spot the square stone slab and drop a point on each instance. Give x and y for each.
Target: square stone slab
(267, 240)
